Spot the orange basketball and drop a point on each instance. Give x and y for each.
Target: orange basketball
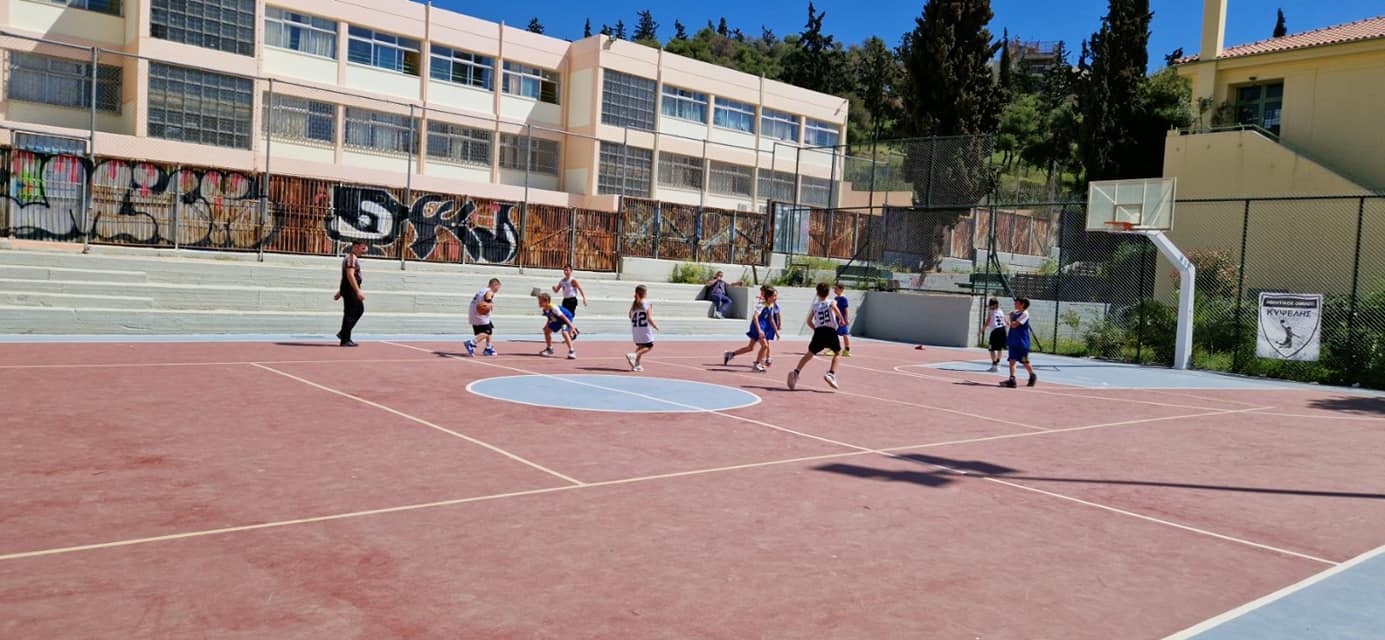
(484, 308)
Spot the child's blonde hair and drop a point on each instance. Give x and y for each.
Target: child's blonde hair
(640, 292)
(545, 298)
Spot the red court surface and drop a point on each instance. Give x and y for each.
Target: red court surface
(262, 490)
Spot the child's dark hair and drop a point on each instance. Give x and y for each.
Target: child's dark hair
(545, 297)
(358, 243)
(769, 291)
(1022, 303)
(823, 290)
(839, 286)
(640, 292)
(993, 303)
(494, 281)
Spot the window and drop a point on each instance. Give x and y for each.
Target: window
(816, 192)
(376, 131)
(821, 134)
(62, 82)
(684, 104)
(731, 179)
(543, 154)
(224, 25)
(456, 143)
(199, 106)
(100, 6)
(306, 34)
(461, 67)
(776, 185)
(737, 116)
(624, 170)
(56, 145)
(531, 82)
(627, 101)
(680, 172)
(1261, 105)
(293, 118)
(382, 50)
(778, 125)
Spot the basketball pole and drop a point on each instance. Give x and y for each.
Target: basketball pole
(1187, 285)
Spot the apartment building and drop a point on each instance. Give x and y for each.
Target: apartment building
(397, 93)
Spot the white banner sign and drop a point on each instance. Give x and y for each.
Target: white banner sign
(1290, 326)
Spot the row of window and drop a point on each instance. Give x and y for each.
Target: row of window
(628, 101)
(626, 170)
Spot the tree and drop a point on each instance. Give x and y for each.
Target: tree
(619, 31)
(1110, 90)
(722, 29)
(679, 31)
(1007, 81)
(587, 28)
(534, 26)
(606, 30)
(1164, 102)
(1172, 57)
(1280, 29)
(1019, 128)
(876, 71)
(647, 29)
(816, 61)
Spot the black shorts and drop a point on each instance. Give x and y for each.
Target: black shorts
(644, 345)
(570, 304)
(998, 342)
(478, 329)
(824, 338)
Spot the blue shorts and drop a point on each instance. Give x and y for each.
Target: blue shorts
(557, 327)
(844, 330)
(1019, 354)
(767, 333)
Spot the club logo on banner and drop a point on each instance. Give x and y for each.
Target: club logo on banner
(1290, 326)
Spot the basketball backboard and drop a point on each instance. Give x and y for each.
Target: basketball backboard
(1119, 206)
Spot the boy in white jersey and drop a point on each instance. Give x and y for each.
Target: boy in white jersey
(995, 323)
(642, 328)
(824, 318)
(479, 314)
(570, 289)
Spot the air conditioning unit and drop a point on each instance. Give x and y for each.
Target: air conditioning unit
(742, 207)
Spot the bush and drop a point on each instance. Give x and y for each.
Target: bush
(1105, 340)
(692, 273)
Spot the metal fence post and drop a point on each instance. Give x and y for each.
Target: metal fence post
(177, 205)
(1240, 287)
(264, 185)
(1355, 283)
(1058, 279)
(732, 239)
(409, 191)
(572, 237)
(832, 183)
(658, 227)
(91, 157)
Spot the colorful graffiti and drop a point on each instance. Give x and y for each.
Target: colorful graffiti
(376, 216)
(134, 202)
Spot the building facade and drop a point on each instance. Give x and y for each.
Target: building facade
(403, 95)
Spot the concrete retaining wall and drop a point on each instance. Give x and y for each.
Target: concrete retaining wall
(943, 320)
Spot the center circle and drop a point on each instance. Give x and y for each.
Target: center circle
(621, 394)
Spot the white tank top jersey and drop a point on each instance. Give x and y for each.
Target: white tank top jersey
(567, 287)
(998, 320)
(822, 314)
(639, 325)
(473, 317)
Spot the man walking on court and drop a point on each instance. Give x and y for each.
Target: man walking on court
(716, 294)
(349, 292)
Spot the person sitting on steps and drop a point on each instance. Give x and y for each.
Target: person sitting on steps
(716, 294)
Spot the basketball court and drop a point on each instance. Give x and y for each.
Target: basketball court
(292, 489)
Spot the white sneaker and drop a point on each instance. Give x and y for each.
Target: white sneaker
(638, 368)
(546, 352)
(831, 379)
(993, 369)
(572, 355)
(758, 367)
(630, 357)
(793, 379)
(717, 315)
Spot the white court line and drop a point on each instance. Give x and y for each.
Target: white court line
(643, 396)
(1211, 623)
(415, 507)
(870, 397)
(425, 423)
(754, 399)
(1168, 523)
(113, 365)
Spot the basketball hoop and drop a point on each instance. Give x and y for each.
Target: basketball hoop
(1119, 226)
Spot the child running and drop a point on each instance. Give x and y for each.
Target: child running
(996, 322)
(479, 314)
(824, 318)
(1019, 342)
(642, 328)
(762, 330)
(844, 331)
(570, 289)
(557, 319)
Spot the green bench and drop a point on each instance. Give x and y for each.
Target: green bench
(984, 281)
(866, 277)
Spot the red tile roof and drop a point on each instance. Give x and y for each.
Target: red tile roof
(1367, 29)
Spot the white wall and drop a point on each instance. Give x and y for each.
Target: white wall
(942, 320)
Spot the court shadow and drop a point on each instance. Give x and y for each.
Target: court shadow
(334, 345)
(973, 466)
(973, 383)
(762, 387)
(924, 478)
(1352, 404)
(449, 354)
(605, 369)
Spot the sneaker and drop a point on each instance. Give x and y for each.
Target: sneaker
(1008, 383)
(758, 367)
(1033, 380)
(793, 379)
(768, 362)
(638, 368)
(846, 353)
(348, 343)
(572, 355)
(634, 364)
(488, 352)
(717, 315)
(726, 357)
(546, 352)
(831, 379)
(994, 368)
(470, 348)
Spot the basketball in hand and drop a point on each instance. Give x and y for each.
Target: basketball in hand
(484, 308)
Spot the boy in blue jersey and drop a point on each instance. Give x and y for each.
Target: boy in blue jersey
(764, 327)
(844, 331)
(556, 320)
(1018, 341)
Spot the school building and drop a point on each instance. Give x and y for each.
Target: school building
(400, 94)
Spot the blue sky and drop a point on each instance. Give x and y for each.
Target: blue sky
(1177, 23)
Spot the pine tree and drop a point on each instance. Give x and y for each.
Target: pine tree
(587, 28)
(1111, 89)
(722, 29)
(534, 26)
(679, 31)
(647, 29)
(816, 61)
(619, 31)
(877, 73)
(606, 30)
(1280, 29)
(1007, 79)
